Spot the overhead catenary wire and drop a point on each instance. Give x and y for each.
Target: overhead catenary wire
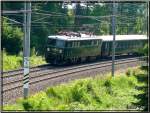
(13, 20)
(96, 18)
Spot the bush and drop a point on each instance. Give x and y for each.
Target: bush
(110, 93)
(12, 62)
(12, 38)
(129, 72)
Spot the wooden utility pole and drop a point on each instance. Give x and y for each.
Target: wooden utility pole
(26, 51)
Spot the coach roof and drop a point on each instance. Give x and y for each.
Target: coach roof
(103, 37)
(123, 37)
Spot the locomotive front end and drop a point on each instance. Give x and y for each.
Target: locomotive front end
(54, 50)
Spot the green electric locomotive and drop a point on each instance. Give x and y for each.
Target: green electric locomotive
(64, 49)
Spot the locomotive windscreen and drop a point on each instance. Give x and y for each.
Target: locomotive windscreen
(52, 42)
(60, 43)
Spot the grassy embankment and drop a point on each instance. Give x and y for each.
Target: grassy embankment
(121, 92)
(12, 62)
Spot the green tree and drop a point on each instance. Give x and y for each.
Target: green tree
(12, 38)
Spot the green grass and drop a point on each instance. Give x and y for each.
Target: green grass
(12, 62)
(100, 93)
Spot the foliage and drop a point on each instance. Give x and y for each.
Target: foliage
(12, 62)
(144, 50)
(131, 19)
(11, 38)
(107, 93)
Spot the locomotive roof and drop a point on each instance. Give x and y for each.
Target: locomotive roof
(83, 37)
(103, 37)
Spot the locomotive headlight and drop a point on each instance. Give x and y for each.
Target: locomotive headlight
(48, 49)
(60, 51)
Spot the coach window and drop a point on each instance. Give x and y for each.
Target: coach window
(72, 45)
(81, 43)
(106, 45)
(121, 45)
(118, 44)
(75, 44)
(129, 44)
(139, 43)
(89, 42)
(134, 43)
(92, 42)
(97, 42)
(125, 44)
(86, 43)
(78, 44)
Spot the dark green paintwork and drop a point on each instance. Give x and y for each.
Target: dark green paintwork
(81, 51)
(123, 47)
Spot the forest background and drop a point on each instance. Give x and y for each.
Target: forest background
(49, 18)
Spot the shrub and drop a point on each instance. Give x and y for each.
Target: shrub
(129, 72)
(12, 62)
(111, 93)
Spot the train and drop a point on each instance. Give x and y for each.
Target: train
(78, 47)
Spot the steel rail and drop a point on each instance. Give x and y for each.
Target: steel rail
(79, 69)
(64, 69)
(20, 71)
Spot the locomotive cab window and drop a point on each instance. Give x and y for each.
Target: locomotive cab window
(52, 42)
(60, 43)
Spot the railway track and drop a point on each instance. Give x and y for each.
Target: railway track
(40, 78)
